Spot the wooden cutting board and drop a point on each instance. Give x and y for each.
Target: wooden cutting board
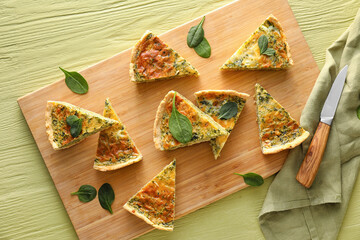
(200, 179)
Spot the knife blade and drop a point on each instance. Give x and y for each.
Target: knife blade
(310, 166)
(332, 100)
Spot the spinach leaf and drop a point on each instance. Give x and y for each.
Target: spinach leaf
(228, 110)
(195, 34)
(75, 129)
(86, 193)
(75, 124)
(358, 112)
(269, 52)
(252, 179)
(70, 120)
(106, 197)
(203, 49)
(263, 45)
(179, 125)
(75, 82)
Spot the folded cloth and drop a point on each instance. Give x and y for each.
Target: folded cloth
(291, 211)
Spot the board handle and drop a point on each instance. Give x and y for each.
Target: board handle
(314, 155)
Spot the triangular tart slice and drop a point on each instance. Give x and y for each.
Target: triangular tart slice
(115, 148)
(248, 55)
(58, 130)
(155, 202)
(211, 101)
(277, 129)
(204, 128)
(152, 59)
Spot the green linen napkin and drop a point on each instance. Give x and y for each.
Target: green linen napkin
(291, 211)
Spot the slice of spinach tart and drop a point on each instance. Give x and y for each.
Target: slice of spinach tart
(202, 126)
(115, 148)
(155, 202)
(152, 59)
(277, 129)
(225, 107)
(67, 125)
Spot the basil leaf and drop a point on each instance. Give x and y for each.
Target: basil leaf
(228, 110)
(252, 179)
(179, 125)
(75, 82)
(269, 52)
(75, 124)
(263, 43)
(358, 112)
(86, 193)
(195, 34)
(106, 197)
(203, 49)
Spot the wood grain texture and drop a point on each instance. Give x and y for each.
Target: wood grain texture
(314, 155)
(39, 36)
(137, 104)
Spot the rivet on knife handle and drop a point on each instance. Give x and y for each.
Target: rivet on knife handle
(311, 163)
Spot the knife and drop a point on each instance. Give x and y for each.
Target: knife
(312, 160)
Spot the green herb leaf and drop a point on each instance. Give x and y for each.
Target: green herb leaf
(75, 82)
(179, 125)
(86, 193)
(252, 179)
(75, 124)
(269, 52)
(263, 43)
(203, 49)
(195, 34)
(228, 110)
(358, 112)
(106, 197)
(70, 120)
(75, 129)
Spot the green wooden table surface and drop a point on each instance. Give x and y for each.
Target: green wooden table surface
(38, 36)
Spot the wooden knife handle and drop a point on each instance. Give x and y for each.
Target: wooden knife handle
(312, 160)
